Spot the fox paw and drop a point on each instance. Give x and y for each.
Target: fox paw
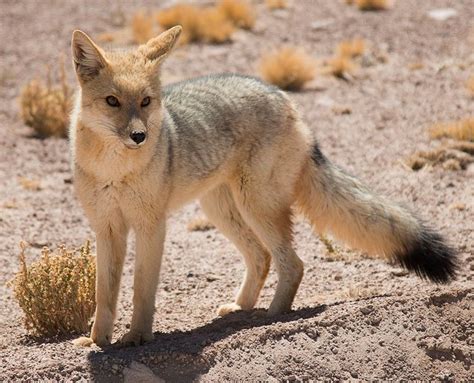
(136, 338)
(228, 308)
(83, 341)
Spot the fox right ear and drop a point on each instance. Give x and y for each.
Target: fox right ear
(88, 58)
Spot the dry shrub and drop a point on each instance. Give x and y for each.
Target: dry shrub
(276, 4)
(288, 68)
(30, 184)
(46, 107)
(351, 48)
(372, 5)
(239, 12)
(200, 224)
(56, 293)
(460, 130)
(455, 156)
(340, 66)
(185, 15)
(214, 27)
(470, 85)
(142, 27)
(208, 24)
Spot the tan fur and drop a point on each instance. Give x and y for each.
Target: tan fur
(247, 157)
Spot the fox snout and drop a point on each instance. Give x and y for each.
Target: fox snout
(138, 137)
(137, 133)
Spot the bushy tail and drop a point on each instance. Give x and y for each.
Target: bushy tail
(339, 203)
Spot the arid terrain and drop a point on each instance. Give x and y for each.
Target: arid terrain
(354, 317)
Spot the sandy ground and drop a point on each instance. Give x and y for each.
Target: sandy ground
(353, 318)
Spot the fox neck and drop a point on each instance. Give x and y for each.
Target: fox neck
(106, 158)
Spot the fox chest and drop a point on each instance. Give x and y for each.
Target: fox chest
(135, 203)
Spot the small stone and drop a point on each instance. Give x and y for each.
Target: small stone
(367, 309)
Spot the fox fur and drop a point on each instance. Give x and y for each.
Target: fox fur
(236, 144)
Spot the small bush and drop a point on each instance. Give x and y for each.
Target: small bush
(46, 107)
(372, 5)
(30, 184)
(276, 4)
(460, 130)
(200, 224)
(470, 85)
(287, 68)
(455, 156)
(207, 24)
(239, 12)
(142, 27)
(185, 15)
(56, 293)
(340, 66)
(214, 27)
(351, 48)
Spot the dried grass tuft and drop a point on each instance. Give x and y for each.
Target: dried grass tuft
(276, 4)
(214, 26)
(455, 156)
(185, 15)
(46, 107)
(340, 66)
(372, 5)
(30, 184)
(351, 48)
(200, 224)
(288, 68)
(239, 12)
(56, 293)
(207, 24)
(460, 130)
(142, 27)
(470, 85)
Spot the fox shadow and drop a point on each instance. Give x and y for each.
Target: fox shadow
(175, 356)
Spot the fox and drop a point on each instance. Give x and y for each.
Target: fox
(140, 151)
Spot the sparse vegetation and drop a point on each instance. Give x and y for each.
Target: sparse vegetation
(56, 293)
(30, 184)
(45, 107)
(340, 66)
(276, 4)
(288, 68)
(351, 48)
(208, 24)
(185, 15)
(142, 27)
(239, 12)
(455, 156)
(460, 130)
(371, 5)
(470, 85)
(200, 224)
(214, 27)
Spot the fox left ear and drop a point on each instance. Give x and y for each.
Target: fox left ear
(88, 58)
(159, 47)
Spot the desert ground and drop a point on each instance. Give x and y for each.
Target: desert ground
(354, 318)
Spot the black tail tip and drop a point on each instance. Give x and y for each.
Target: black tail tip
(430, 257)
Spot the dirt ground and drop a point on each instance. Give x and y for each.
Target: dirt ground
(353, 318)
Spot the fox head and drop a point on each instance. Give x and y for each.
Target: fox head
(120, 90)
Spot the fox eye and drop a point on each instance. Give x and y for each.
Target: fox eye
(112, 101)
(145, 102)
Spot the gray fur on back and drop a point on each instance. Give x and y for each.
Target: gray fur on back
(207, 117)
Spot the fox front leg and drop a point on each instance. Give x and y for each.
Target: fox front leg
(149, 253)
(111, 248)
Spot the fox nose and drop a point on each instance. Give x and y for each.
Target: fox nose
(138, 137)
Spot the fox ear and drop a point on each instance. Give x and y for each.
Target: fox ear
(159, 47)
(88, 58)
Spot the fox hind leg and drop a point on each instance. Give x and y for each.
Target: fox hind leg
(220, 208)
(267, 211)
